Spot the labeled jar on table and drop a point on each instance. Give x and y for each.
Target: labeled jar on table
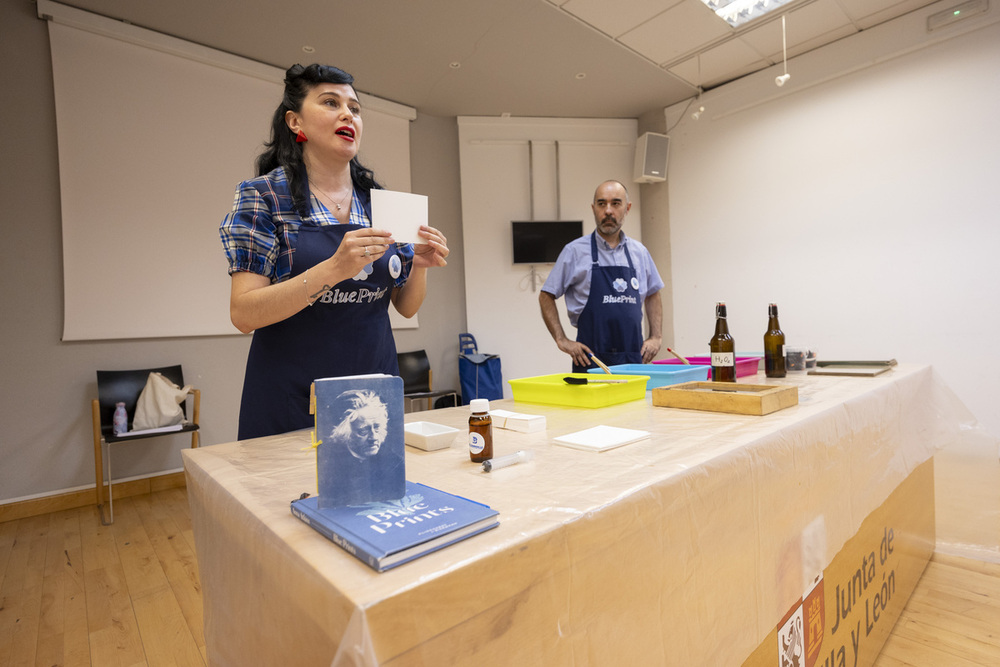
(480, 431)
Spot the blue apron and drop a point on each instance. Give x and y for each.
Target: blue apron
(611, 321)
(345, 332)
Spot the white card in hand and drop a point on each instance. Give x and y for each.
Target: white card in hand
(399, 213)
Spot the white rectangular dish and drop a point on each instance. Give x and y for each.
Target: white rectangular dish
(429, 436)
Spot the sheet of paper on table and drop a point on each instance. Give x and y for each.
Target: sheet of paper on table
(601, 438)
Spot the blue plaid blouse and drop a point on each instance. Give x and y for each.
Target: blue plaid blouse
(260, 233)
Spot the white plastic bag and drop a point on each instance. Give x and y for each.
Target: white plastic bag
(159, 403)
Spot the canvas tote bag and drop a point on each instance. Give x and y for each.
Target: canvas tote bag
(159, 403)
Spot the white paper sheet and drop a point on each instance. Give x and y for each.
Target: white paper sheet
(601, 438)
(399, 213)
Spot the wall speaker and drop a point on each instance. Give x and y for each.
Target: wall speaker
(651, 158)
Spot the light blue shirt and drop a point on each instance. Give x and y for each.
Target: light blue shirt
(570, 277)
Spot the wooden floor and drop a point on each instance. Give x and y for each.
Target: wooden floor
(951, 620)
(73, 592)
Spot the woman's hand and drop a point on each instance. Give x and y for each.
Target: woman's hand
(361, 247)
(432, 253)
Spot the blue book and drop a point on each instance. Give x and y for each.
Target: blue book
(386, 534)
(360, 453)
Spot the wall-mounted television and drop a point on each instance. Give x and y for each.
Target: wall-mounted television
(540, 241)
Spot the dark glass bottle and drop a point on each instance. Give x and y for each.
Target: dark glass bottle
(480, 431)
(723, 348)
(774, 345)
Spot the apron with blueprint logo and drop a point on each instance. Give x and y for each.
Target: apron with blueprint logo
(345, 332)
(611, 321)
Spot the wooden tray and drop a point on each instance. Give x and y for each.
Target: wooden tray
(733, 397)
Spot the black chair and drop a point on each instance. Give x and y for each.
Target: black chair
(115, 387)
(415, 369)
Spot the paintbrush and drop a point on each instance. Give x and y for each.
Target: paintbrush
(683, 360)
(569, 379)
(601, 364)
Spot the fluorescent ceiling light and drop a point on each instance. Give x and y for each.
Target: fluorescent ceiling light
(738, 12)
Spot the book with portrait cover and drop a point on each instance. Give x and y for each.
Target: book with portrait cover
(384, 534)
(360, 453)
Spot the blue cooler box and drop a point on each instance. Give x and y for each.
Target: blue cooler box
(659, 374)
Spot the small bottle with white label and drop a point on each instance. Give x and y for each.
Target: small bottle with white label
(480, 431)
(119, 423)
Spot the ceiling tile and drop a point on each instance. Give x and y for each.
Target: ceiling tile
(813, 20)
(872, 16)
(676, 32)
(858, 10)
(766, 39)
(688, 71)
(725, 62)
(617, 19)
(802, 25)
(827, 38)
(729, 61)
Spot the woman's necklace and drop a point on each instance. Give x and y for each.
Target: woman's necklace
(331, 199)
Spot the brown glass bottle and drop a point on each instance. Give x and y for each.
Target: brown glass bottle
(723, 348)
(480, 431)
(774, 345)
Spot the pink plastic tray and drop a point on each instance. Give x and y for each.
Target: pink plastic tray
(744, 365)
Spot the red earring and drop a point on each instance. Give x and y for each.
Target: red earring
(301, 138)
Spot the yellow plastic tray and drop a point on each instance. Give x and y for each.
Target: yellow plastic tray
(553, 390)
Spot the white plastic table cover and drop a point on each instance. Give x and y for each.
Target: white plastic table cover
(666, 551)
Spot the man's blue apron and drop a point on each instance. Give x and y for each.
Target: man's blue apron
(611, 322)
(345, 332)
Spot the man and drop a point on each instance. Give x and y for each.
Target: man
(607, 279)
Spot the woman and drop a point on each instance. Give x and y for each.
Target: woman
(310, 275)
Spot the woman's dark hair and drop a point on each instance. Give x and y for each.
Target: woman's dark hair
(283, 151)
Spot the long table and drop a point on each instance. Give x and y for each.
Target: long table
(694, 547)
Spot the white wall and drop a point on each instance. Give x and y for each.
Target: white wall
(114, 170)
(864, 206)
(501, 298)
